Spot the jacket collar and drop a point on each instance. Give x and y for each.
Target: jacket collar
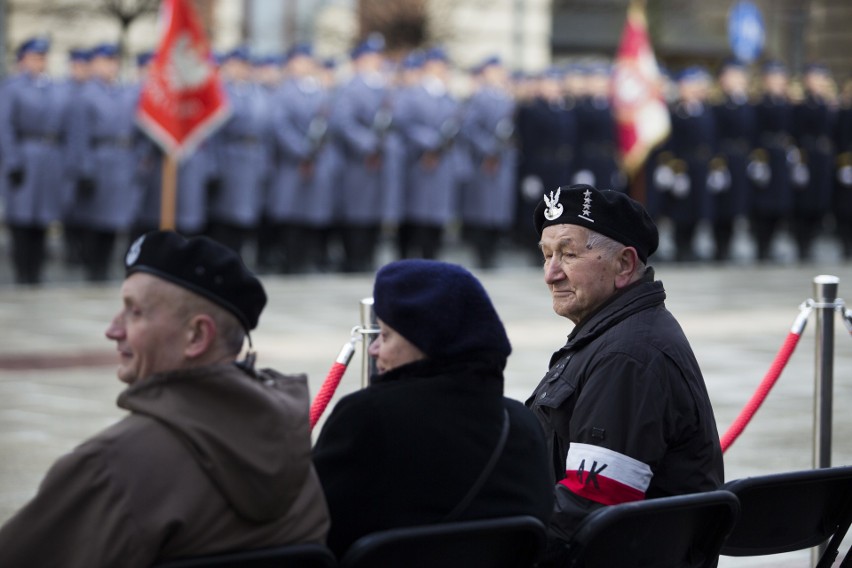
(640, 295)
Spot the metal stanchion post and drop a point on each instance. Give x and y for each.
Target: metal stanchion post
(369, 331)
(825, 294)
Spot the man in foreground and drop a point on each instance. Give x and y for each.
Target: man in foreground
(214, 456)
(624, 405)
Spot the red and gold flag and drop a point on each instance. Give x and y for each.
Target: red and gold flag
(641, 113)
(182, 99)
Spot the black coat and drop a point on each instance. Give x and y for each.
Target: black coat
(774, 136)
(548, 139)
(625, 410)
(843, 192)
(735, 124)
(405, 450)
(598, 151)
(692, 140)
(814, 127)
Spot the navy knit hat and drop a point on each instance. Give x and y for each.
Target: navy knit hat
(441, 308)
(607, 212)
(203, 266)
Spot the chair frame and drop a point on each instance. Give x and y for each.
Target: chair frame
(362, 553)
(637, 531)
(790, 498)
(291, 555)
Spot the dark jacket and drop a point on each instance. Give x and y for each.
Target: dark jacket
(209, 460)
(626, 395)
(405, 451)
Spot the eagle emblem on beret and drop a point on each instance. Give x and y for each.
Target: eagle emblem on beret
(554, 208)
(134, 251)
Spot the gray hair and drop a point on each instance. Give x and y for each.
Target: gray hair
(610, 247)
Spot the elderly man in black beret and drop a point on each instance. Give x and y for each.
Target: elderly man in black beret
(214, 456)
(624, 405)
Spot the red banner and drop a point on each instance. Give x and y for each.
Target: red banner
(640, 109)
(182, 100)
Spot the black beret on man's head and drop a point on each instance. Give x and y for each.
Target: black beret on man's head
(203, 266)
(610, 213)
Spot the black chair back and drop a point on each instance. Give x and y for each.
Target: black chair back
(680, 531)
(792, 511)
(290, 556)
(508, 542)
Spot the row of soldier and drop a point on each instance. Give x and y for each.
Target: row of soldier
(295, 159)
(304, 159)
(775, 153)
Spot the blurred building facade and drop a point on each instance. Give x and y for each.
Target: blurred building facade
(688, 32)
(527, 34)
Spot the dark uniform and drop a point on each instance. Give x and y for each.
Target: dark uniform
(692, 145)
(813, 130)
(735, 123)
(547, 130)
(769, 169)
(597, 152)
(842, 202)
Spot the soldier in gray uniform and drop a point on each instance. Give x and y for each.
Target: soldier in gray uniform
(79, 71)
(299, 204)
(103, 158)
(32, 120)
(242, 152)
(268, 73)
(360, 122)
(429, 119)
(488, 199)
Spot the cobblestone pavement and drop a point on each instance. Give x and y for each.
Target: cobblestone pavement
(58, 385)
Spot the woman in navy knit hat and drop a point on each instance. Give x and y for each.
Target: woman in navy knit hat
(414, 447)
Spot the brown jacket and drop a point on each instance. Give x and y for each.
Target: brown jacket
(209, 460)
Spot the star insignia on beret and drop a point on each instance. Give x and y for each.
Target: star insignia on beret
(554, 208)
(587, 207)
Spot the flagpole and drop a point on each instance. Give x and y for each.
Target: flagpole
(168, 195)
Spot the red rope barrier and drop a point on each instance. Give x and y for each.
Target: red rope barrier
(768, 381)
(331, 382)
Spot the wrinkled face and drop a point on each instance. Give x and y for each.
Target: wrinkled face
(392, 350)
(580, 279)
(147, 330)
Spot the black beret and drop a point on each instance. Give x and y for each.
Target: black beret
(203, 266)
(439, 307)
(607, 212)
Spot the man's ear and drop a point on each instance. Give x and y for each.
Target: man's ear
(626, 263)
(202, 335)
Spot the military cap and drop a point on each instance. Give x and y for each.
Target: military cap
(608, 212)
(202, 266)
(34, 45)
